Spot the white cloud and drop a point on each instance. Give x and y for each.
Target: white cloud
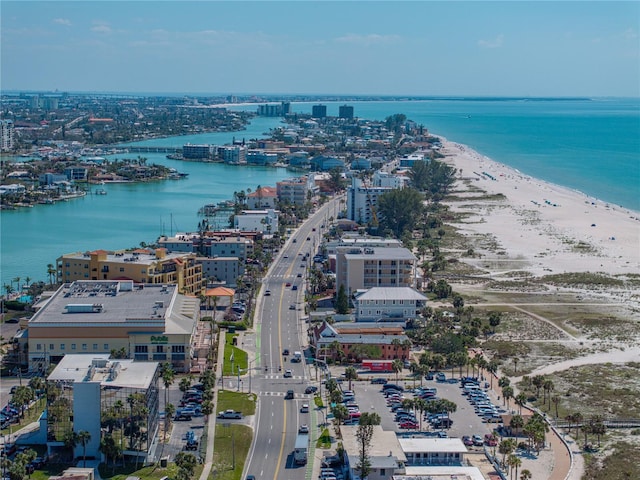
(368, 40)
(62, 21)
(495, 43)
(629, 34)
(101, 28)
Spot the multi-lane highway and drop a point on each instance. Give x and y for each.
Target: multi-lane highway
(278, 327)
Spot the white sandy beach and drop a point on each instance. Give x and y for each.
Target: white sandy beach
(551, 228)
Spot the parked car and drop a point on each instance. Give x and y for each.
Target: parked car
(379, 381)
(230, 414)
(441, 377)
(478, 441)
(490, 440)
(409, 424)
(467, 440)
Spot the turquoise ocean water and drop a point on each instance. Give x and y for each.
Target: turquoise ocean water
(588, 145)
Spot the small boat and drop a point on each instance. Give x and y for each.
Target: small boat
(101, 191)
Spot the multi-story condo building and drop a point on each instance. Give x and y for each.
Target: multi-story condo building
(141, 265)
(107, 398)
(260, 157)
(357, 240)
(383, 303)
(362, 201)
(265, 221)
(142, 322)
(386, 179)
(295, 190)
(345, 111)
(221, 269)
(7, 132)
(196, 151)
(211, 244)
(235, 154)
(363, 268)
(319, 111)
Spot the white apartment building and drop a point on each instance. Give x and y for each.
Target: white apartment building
(382, 303)
(362, 201)
(265, 221)
(7, 132)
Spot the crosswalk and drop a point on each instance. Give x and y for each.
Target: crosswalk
(299, 396)
(278, 377)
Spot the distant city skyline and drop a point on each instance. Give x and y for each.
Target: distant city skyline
(414, 48)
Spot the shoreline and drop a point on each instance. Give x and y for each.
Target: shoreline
(552, 228)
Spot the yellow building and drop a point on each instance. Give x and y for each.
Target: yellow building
(141, 265)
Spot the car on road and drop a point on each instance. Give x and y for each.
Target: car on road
(267, 293)
(304, 428)
(230, 414)
(308, 238)
(311, 389)
(299, 275)
(289, 395)
(288, 284)
(250, 477)
(285, 352)
(478, 441)
(288, 374)
(295, 287)
(304, 408)
(292, 306)
(466, 439)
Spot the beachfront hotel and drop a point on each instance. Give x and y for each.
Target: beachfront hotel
(362, 201)
(146, 266)
(102, 396)
(143, 322)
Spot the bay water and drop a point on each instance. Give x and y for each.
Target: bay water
(590, 145)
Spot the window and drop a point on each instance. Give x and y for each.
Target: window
(106, 346)
(141, 349)
(95, 346)
(51, 347)
(84, 346)
(61, 346)
(122, 269)
(38, 346)
(160, 348)
(177, 348)
(73, 346)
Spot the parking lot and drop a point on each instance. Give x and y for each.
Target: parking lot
(466, 421)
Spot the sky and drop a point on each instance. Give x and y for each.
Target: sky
(414, 48)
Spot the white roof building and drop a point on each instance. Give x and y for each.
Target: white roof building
(381, 303)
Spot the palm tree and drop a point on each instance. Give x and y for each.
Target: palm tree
(547, 386)
(396, 366)
(515, 365)
(83, 438)
(507, 394)
(525, 475)
(17, 280)
(556, 400)
(516, 423)
(51, 271)
(521, 399)
(515, 462)
(506, 447)
(350, 374)
(492, 368)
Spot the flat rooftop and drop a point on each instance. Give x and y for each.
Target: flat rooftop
(440, 473)
(391, 293)
(428, 444)
(97, 368)
(383, 443)
(118, 303)
(380, 253)
(139, 257)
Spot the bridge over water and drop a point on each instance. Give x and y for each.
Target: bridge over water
(139, 149)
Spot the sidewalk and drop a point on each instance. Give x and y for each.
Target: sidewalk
(211, 424)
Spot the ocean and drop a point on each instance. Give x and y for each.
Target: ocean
(590, 145)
